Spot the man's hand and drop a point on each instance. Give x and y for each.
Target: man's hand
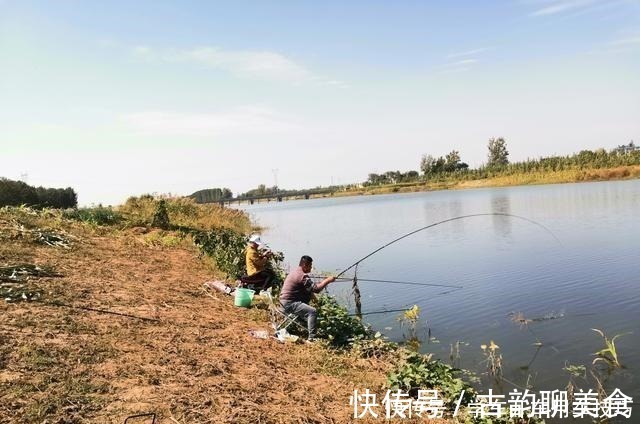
(326, 282)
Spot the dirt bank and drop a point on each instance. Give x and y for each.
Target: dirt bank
(196, 363)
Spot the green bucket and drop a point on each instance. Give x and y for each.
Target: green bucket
(244, 297)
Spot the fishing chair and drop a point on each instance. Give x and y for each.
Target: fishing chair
(279, 318)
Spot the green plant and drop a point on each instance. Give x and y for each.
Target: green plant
(226, 247)
(575, 370)
(335, 324)
(410, 318)
(98, 215)
(415, 371)
(609, 354)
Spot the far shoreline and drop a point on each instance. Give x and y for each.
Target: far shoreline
(620, 173)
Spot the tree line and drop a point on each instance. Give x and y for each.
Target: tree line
(211, 195)
(451, 166)
(16, 193)
(498, 164)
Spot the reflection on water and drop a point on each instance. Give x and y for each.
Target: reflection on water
(506, 266)
(500, 203)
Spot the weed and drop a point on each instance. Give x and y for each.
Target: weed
(454, 352)
(415, 371)
(98, 215)
(609, 354)
(410, 318)
(376, 347)
(164, 239)
(493, 359)
(575, 370)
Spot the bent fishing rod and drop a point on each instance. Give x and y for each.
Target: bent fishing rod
(355, 264)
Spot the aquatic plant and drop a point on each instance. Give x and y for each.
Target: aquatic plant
(493, 359)
(609, 354)
(410, 318)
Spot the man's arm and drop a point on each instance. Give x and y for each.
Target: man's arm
(324, 283)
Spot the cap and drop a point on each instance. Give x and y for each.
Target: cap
(255, 239)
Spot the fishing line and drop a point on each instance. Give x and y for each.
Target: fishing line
(445, 221)
(409, 283)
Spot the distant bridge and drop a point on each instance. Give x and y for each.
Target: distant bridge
(278, 197)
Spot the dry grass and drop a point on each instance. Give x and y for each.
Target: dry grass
(196, 364)
(185, 212)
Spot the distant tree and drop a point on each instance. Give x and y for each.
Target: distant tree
(211, 195)
(14, 193)
(426, 164)
(452, 159)
(411, 175)
(392, 177)
(498, 153)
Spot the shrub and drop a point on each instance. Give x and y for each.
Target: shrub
(415, 371)
(160, 216)
(226, 247)
(336, 325)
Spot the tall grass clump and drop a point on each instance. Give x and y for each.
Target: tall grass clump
(184, 213)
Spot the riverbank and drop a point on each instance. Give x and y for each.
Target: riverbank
(174, 350)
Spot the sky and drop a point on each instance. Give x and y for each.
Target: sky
(123, 98)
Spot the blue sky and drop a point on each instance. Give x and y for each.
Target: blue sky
(123, 98)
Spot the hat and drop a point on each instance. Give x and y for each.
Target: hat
(255, 239)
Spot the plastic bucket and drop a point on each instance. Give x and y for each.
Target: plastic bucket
(243, 297)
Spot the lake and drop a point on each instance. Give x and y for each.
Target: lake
(588, 279)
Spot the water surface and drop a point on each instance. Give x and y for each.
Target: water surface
(588, 280)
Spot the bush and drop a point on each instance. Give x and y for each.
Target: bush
(336, 325)
(226, 247)
(160, 216)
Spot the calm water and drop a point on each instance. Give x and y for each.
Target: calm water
(590, 280)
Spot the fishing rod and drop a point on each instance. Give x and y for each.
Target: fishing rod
(385, 311)
(408, 283)
(355, 264)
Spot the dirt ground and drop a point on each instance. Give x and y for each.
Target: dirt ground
(196, 363)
